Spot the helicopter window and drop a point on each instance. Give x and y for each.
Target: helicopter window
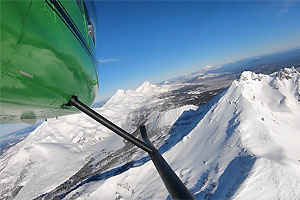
(90, 25)
(83, 9)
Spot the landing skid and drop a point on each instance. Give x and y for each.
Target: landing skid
(175, 187)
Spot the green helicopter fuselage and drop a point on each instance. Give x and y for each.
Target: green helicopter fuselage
(47, 55)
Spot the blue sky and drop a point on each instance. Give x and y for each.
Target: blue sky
(157, 40)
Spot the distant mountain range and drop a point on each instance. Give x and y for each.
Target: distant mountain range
(266, 64)
(9, 140)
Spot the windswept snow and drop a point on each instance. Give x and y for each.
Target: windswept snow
(244, 144)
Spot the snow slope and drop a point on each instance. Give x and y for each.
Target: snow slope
(245, 147)
(244, 144)
(59, 148)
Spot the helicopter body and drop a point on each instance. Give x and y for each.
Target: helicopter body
(47, 55)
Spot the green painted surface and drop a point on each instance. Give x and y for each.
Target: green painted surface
(42, 63)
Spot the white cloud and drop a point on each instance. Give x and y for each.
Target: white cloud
(231, 61)
(108, 60)
(210, 67)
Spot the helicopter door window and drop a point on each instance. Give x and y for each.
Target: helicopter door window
(91, 32)
(90, 25)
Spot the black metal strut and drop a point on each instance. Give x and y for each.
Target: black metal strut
(173, 184)
(175, 187)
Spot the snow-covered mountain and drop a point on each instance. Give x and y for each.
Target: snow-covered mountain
(243, 144)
